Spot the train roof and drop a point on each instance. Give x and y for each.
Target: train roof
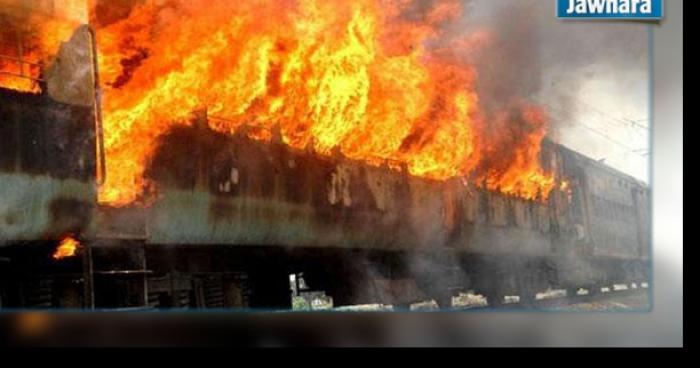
(596, 164)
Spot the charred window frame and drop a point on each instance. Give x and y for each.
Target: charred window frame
(14, 40)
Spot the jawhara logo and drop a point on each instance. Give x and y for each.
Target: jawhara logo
(611, 9)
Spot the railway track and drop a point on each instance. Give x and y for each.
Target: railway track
(600, 301)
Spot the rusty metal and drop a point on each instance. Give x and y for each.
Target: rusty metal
(99, 128)
(250, 193)
(241, 192)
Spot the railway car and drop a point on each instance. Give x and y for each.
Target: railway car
(375, 234)
(47, 142)
(233, 219)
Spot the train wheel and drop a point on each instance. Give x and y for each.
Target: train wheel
(593, 289)
(572, 292)
(528, 298)
(495, 299)
(444, 301)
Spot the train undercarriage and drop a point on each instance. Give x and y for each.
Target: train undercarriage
(125, 275)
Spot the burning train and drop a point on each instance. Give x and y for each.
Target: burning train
(146, 162)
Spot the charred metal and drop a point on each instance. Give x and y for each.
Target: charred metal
(228, 218)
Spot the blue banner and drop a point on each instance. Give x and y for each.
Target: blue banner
(611, 9)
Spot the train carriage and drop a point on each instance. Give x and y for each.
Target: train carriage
(231, 217)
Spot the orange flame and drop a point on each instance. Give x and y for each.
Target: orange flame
(30, 37)
(565, 186)
(66, 248)
(375, 79)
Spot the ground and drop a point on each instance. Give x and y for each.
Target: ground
(625, 300)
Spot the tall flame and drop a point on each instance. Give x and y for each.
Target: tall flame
(375, 79)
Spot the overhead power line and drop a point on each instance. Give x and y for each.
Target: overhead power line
(637, 151)
(624, 121)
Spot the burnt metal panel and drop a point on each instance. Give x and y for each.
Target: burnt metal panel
(219, 189)
(47, 167)
(229, 189)
(606, 208)
(43, 137)
(48, 149)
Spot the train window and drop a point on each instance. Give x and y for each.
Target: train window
(43, 44)
(19, 68)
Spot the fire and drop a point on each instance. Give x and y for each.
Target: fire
(30, 37)
(66, 248)
(378, 80)
(565, 186)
